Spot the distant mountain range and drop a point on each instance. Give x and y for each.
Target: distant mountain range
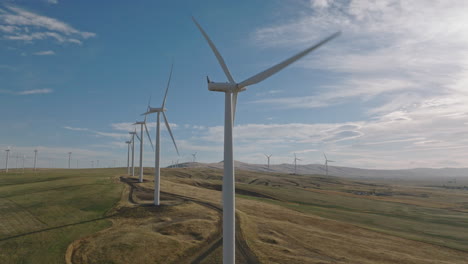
(342, 171)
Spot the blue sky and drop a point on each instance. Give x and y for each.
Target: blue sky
(390, 92)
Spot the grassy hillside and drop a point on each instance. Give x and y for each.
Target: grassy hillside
(282, 218)
(42, 213)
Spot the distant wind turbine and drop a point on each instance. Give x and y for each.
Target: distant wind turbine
(295, 163)
(194, 157)
(128, 156)
(268, 157)
(35, 159)
(7, 158)
(143, 124)
(326, 163)
(69, 159)
(231, 89)
(157, 168)
(133, 151)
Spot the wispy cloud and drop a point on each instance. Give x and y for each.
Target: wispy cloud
(27, 92)
(35, 91)
(54, 2)
(75, 128)
(19, 24)
(44, 53)
(98, 133)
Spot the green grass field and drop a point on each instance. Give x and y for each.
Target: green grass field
(42, 213)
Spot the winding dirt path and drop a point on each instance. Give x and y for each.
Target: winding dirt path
(243, 253)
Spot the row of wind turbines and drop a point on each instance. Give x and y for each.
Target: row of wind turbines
(8, 150)
(231, 89)
(94, 163)
(297, 159)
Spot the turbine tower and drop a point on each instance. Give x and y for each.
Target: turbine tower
(326, 163)
(69, 159)
(194, 157)
(24, 157)
(7, 158)
(231, 89)
(268, 157)
(295, 163)
(133, 151)
(128, 156)
(143, 123)
(157, 169)
(35, 159)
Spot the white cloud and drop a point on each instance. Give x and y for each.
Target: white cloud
(75, 128)
(54, 2)
(44, 53)
(35, 91)
(28, 92)
(19, 24)
(98, 133)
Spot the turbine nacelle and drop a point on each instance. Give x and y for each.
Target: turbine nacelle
(155, 110)
(225, 87)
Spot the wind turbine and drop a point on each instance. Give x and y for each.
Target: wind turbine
(268, 157)
(7, 158)
(143, 123)
(295, 163)
(157, 169)
(231, 89)
(326, 163)
(24, 157)
(133, 151)
(194, 157)
(35, 159)
(128, 155)
(69, 159)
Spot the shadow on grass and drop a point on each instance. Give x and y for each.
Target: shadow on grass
(54, 228)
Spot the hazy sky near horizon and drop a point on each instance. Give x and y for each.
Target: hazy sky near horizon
(391, 92)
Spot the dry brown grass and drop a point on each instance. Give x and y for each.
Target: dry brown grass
(280, 235)
(149, 235)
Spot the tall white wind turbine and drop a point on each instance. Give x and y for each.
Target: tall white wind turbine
(128, 156)
(7, 158)
(194, 155)
(142, 124)
(268, 157)
(35, 159)
(295, 163)
(157, 168)
(133, 151)
(326, 163)
(231, 89)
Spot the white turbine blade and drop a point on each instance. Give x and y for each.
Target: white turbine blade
(138, 137)
(167, 87)
(278, 67)
(325, 156)
(215, 51)
(149, 137)
(331, 161)
(234, 104)
(170, 132)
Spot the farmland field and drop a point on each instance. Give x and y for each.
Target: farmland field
(105, 216)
